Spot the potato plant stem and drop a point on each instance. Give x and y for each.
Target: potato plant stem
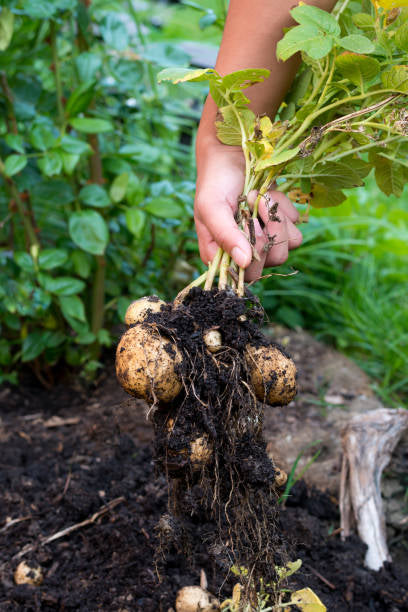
(223, 278)
(241, 284)
(212, 269)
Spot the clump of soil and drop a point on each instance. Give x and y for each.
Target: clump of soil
(209, 440)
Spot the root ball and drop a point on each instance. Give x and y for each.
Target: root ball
(139, 309)
(272, 374)
(146, 364)
(195, 599)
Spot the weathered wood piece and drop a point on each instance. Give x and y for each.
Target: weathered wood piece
(368, 441)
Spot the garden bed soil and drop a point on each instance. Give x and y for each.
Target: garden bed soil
(70, 457)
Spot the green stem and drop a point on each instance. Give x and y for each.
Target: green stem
(212, 269)
(305, 125)
(57, 72)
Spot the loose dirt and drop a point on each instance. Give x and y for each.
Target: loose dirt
(70, 458)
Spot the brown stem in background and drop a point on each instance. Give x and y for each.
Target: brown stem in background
(151, 245)
(11, 118)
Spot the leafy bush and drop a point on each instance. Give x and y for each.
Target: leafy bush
(89, 216)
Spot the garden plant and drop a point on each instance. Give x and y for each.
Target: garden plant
(201, 361)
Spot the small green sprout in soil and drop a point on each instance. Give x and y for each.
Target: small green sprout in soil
(202, 362)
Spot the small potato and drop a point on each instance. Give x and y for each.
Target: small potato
(139, 309)
(28, 573)
(280, 477)
(212, 340)
(146, 364)
(196, 599)
(272, 374)
(200, 452)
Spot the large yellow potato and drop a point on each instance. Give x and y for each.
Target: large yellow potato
(195, 599)
(146, 364)
(139, 309)
(272, 374)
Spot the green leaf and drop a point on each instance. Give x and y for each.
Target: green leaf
(401, 37)
(307, 38)
(91, 126)
(44, 9)
(24, 261)
(50, 164)
(114, 32)
(89, 231)
(6, 28)
(181, 75)
(341, 175)
(82, 263)
(34, 344)
(52, 258)
(364, 21)
(41, 137)
(135, 221)
(323, 197)
(276, 159)
(229, 130)
(75, 146)
(15, 141)
(390, 176)
(14, 164)
(312, 15)
(5, 354)
(94, 195)
(69, 161)
(62, 285)
(80, 99)
(165, 208)
(118, 188)
(241, 79)
(358, 68)
(87, 65)
(396, 78)
(73, 307)
(52, 192)
(357, 43)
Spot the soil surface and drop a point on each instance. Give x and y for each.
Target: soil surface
(81, 461)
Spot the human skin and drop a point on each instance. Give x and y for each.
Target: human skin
(252, 31)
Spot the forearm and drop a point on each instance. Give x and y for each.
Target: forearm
(252, 31)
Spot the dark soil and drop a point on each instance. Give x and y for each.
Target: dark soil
(60, 472)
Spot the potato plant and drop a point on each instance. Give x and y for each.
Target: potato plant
(345, 114)
(85, 195)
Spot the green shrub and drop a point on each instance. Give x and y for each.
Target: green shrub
(96, 185)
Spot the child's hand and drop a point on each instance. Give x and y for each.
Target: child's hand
(220, 181)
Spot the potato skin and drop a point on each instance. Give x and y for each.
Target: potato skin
(272, 374)
(146, 364)
(138, 310)
(193, 598)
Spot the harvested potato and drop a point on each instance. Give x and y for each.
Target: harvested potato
(146, 364)
(139, 309)
(200, 452)
(196, 599)
(212, 340)
(272, 374)
(28, 573)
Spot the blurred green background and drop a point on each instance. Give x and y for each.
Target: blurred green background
(96, 196)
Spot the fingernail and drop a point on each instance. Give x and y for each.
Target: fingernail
(239, 257)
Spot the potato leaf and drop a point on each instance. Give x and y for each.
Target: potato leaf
(241, 79)
(276, 159)
(390, 176)
(312, 15)
(357, 43)
(308, 38)
(6, 27)
(396, 78)
(323, 197)
(182, 75)
(390, 4)
(401, 37)
(358, 68)
(228, 126)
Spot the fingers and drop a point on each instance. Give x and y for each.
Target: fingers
(217, 227)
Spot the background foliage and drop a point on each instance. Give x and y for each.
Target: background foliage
(97, 185)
